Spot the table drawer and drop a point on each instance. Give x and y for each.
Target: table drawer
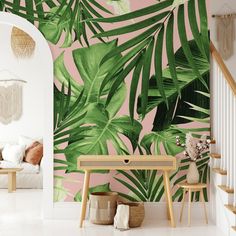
(126, 163)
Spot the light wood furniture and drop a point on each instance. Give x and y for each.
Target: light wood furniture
(11, 172)
(132, 162)
(192, 188)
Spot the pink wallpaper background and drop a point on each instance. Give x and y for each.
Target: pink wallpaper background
(73, 181)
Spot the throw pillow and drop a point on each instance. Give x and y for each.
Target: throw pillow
(13, 153)
(34, 153)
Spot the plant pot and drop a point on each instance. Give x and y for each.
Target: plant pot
(103, 207)
(193, 174)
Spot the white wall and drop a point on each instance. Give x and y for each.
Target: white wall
(217, 7)
(33, 71)
(41, 71)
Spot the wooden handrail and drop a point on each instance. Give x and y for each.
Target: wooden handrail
(228, 76)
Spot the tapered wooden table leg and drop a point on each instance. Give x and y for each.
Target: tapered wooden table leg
(10, 182)
(189, 206)
(169, 197)
(14, 181)
(84, 197)
(203, 201)
(182, 207)
(166, 199)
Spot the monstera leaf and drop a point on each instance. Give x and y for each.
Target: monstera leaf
(64, 77)
(60, 192)
(88, 62)
(81, 119)
(101, 131)
(53, 28)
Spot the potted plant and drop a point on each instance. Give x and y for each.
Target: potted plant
(194, 148)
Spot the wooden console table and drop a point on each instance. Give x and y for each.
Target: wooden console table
(11, 172)
(132, 162)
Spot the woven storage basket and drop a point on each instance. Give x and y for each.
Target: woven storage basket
(136, 213)
(103, 207)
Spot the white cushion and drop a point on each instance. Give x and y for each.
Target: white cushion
(13, 153)
(29, 168)
(27, 141)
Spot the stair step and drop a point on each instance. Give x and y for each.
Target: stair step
(231, 208)
(215, 155)
(226, 189)
(219, 171)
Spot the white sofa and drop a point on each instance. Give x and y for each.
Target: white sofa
(31, 177)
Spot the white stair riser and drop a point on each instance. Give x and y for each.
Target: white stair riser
(227, 198)
(232, 232)
(231, 217)
(219, 179)
(215, 163)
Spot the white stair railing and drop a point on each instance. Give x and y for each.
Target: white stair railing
(223, 116)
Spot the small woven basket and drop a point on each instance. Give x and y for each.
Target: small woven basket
(103, 207)
(136, 213)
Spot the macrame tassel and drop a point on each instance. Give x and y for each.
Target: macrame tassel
(226, 36)
(10, 102)
(23, 46)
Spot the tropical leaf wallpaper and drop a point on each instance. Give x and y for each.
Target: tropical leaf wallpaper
(130, 76)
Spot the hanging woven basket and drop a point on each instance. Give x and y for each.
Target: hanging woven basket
(22, 44)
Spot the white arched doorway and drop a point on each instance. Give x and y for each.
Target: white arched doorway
(44, 71)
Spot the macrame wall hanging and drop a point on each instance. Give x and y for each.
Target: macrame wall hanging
(23, 46)
(226, 35)
(225, 24)
(10, 99)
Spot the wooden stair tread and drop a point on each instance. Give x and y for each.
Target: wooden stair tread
(215, 155)
(226, 189)
(234, 228)
(231, 208)
(219, 171)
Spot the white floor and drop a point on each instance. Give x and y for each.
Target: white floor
(20, 215)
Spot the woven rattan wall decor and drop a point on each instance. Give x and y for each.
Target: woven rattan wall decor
(22, 44)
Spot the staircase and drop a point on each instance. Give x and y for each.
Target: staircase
(223, 153)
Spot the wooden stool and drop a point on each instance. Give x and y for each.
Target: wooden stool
(192, 188)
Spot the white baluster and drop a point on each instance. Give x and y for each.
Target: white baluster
(224, 128)
(222, 131)
(219, 110)
(214, 106)
(227, 134)
(234, 144)
(231, 138)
